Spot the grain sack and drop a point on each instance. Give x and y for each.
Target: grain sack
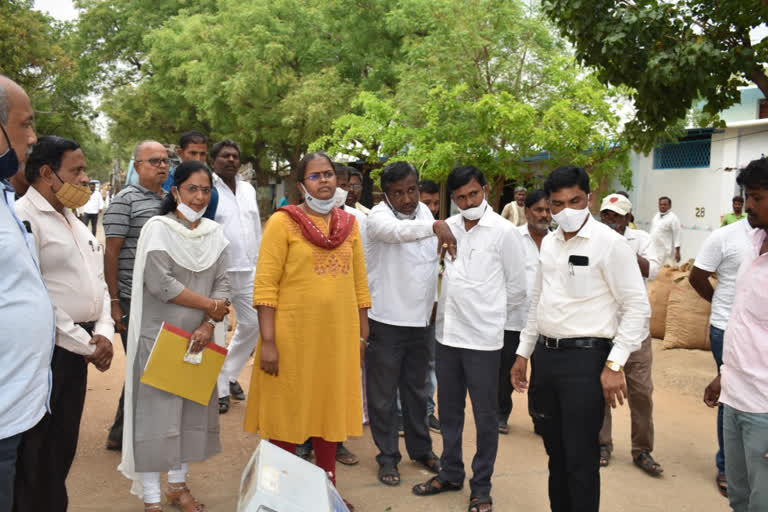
(658, 295)
(687, 323)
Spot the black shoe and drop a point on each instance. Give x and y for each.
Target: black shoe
(235, 391)
(434, 423)
(223, 404)
(303, 451)
(400, 428)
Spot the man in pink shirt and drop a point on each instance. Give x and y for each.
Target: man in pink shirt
(743, 390)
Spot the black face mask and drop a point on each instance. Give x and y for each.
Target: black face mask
(9, 162)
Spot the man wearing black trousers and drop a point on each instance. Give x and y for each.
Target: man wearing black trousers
(589, 311)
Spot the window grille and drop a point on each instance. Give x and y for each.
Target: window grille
(690, 152)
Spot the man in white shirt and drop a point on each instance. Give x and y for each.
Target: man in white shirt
(477, 290)
(721, 255)
(238, 214)
(615, 213)
(589, 312)
(93, 208)
(514, 211)
(538, 219)
(665, 233)
(743, 387)
(72, 264)
(401, 255)
(343, 182)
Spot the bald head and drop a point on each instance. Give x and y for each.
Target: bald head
(17, 119)
(150, 159)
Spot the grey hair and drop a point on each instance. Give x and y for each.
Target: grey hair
(139, 146)
(4, 106)
(521, 189)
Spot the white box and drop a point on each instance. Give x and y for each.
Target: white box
(277, 481)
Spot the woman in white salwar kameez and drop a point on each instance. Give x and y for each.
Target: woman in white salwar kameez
(179, 277)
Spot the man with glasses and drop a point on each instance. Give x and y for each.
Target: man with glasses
(238, 214)
(123, 220)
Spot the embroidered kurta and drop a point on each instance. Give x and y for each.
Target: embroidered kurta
(316, 294)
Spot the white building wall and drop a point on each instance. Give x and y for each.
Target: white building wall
(700, 197)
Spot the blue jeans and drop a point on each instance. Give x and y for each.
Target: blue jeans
(746, 455)
(8, 451)
(716, 345)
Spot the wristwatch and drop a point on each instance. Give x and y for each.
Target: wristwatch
(211, 321)
(614, 366)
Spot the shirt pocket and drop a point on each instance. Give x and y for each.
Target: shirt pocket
(578, 280)
(479, 264)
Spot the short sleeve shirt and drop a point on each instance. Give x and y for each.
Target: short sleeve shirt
(124, 218)
(722, 253)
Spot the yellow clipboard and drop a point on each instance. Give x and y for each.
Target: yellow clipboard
(167, 370)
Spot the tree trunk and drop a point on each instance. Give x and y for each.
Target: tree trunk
(761, 80)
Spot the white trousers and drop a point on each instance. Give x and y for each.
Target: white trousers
(246, 333)
(151, 482)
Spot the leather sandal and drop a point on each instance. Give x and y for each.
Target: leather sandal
(430, 461)
(179, 495)
(153, 507)
(645, 462)
(476, 503)
(429, 488)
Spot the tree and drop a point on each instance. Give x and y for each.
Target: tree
(670, 53)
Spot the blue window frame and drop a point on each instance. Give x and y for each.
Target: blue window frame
(691, 152)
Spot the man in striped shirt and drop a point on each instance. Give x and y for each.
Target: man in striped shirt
(123, 220)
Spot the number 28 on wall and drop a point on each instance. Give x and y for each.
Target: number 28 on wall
(700, 212)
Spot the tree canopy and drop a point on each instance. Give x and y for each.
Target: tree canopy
(670, 53)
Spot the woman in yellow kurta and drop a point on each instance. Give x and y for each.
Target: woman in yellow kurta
(311, 292)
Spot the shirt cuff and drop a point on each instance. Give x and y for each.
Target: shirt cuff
(618, 355)
(527, 345)
(105, 329)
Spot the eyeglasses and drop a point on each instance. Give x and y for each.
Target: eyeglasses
(156, 162)
(355, 187)
(194, 189)
(317, 175)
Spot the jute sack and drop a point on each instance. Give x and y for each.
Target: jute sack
(687, 324)
(658, 295)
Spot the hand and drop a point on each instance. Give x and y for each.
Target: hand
(614, 387)
(218, 309)
(200, 337)
(363, 346)
(446, 242)
(677, 254)
(269, 362)
(102, 356)
(712, 393)
(518, 374)
(117, 316)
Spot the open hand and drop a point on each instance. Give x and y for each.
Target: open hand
(200, 337)
(518, 374)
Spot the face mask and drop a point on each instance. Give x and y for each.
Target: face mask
(9, 162)
(321, 206)
(475, 212)
(571, 220)
(614, 226)
(340, 197)
(188, 213)
(72, 196)
(399, 215)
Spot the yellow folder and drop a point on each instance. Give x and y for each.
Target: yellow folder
(167, 370)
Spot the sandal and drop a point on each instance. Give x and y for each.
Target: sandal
(645, 462)
(476, 502)
(179, 495)
(153, 507)
(430, 461)
(722, 484)
(429, 488)
(605, 455)
(345, 456)
(388, 474)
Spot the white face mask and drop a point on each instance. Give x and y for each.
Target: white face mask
(400, 215)
(188, 213)
(475, 212)
(340, 197)
(321, 206)
(571, 220)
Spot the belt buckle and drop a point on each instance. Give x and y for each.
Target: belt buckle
(554, 346)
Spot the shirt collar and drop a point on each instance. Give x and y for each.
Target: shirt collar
(145, 190)
(584, 232)
(38, 201)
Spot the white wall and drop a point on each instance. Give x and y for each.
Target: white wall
(691, 189)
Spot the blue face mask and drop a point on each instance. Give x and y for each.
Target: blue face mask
(9, 162)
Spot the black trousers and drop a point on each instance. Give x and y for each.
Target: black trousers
(397, 358)
(116, 430)
(569, 411)
(460, 370)
(93, 219)
(508, 356)
(47, 450)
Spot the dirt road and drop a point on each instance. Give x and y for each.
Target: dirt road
(685, 446)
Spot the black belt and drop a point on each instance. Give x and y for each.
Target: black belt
(88, 326)
(562, 343)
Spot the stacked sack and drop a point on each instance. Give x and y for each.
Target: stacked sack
(679, 315)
